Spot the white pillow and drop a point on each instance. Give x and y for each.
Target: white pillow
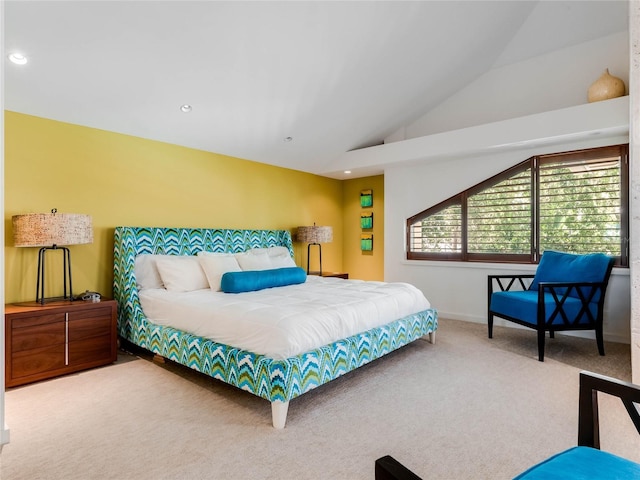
(217, 264)
(279, 257)
(181, 273)
(277, 251)
(256, 259)
(146, 271)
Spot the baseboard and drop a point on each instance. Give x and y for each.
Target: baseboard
(499, 322)
(4, 436)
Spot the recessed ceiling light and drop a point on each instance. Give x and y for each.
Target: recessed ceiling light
(18, 58)
(288, 139)
(185, 108)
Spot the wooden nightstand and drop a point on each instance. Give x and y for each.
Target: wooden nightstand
(332, 274)
(44, 341)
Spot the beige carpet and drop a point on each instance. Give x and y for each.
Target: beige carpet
(466, 407)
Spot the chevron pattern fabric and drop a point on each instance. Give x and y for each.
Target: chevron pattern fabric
(132, 241)
(286, 379)
(274, 380)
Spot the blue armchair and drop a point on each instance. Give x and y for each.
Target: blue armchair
(566, 293)
(586, 461)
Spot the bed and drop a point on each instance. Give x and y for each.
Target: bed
(277, 376)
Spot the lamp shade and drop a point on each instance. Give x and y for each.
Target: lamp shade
(48, 229)
(315, 234)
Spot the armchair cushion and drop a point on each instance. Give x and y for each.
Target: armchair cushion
(582, 463)
(569, 267)
(523, 305)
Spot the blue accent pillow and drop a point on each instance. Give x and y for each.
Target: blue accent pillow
(252, 280)
(569, 267)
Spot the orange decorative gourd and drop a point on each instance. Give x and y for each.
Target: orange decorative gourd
(606, 87)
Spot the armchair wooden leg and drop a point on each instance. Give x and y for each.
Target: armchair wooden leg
(600, 340)
(388, 468)
(541, 334)
(552, 334)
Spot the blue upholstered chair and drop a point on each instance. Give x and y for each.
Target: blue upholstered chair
(587, 461)
(584, 462)
(566, 293)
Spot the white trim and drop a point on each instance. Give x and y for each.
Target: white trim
(634, 181)
(527, 267)
(499, 322)
(4, 430)
(572, 124)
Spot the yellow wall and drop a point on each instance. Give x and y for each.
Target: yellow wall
(359, 264)
(124, 180)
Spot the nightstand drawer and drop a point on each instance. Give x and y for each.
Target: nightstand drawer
(37, 361)
(23, 321)
(89, 327)
(37, 336)
(92, 350)
(96, 313)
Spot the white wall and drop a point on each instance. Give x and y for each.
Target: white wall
(634, 114)
(549, 82)
(459, 290)
(506, 116)
(4, 431)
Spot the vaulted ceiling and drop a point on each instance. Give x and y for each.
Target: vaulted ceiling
(292, 84)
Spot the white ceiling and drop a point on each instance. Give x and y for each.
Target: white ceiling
(334, 76)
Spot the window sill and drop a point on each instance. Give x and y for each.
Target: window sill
(521, 267)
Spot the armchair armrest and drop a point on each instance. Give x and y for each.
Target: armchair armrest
(590, 385)
(506, 282)
(551, 286)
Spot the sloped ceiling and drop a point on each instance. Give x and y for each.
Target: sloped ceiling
(332, 76)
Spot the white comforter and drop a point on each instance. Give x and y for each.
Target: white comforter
(284, 321)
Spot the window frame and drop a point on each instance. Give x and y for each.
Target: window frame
(435, 209)
(533, 163)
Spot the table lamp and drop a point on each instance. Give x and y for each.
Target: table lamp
(52, 231)
(315, 235)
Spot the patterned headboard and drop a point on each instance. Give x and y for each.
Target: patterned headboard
(132, 241)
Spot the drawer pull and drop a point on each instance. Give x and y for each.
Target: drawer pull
(66, 338)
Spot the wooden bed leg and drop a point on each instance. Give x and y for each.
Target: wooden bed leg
(279, 413)
(158, 358)
(432, 337)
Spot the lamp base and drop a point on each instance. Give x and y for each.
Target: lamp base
(66, 272)
(47, 300)
(309, 255)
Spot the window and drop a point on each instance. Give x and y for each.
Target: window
(573, 202)
(439, 232)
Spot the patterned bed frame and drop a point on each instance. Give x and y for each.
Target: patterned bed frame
(275, 380)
